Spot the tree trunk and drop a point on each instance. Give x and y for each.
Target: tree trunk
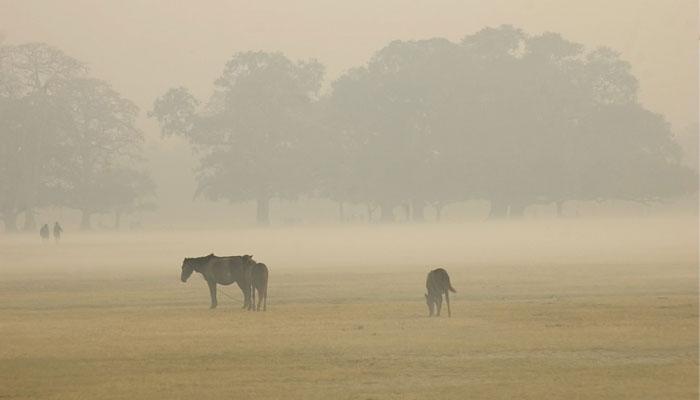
(387, 212)
(406, 210)
(370, 212)
(85, 221)
(29, 221)
(438, 211)
(560, 208)
(263, 211)
(499, 209)
(517, 210)
(417, 214)
(9, 219)
(117, 220)
(341, 211)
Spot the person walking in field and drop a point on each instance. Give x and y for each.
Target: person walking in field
(57, 231)
(44, 232)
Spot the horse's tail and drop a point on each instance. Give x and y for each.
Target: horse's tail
(264, 280)
(449, 285)
(266, 274)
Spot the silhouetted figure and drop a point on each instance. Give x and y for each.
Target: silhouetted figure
(222, 271)
(44, 232)
(57, 230)
(438, 282)
(259, 283)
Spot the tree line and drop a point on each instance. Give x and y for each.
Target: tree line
(503, 116)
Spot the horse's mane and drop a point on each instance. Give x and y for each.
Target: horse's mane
(197, 262)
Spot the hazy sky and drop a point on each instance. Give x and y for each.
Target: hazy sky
(145, 46)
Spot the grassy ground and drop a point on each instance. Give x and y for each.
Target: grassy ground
(106, 317)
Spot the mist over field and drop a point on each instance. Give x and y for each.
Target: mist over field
(376, 200)
(520, 244)
(609, 305)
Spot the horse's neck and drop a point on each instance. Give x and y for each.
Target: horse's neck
(201, 265)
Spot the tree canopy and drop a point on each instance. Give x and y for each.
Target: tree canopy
(64, 138)
(503, 116)
(252, 134)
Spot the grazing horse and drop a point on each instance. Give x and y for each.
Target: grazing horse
(259, 283)
(224, 271)
(437, 283)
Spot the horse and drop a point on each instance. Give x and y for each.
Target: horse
(223, 271)
(437, 283)
(259, 283)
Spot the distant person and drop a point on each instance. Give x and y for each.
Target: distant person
(44, 232)
(57, 230)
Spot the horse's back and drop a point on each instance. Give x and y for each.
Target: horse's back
(260, 273)
(229, 269)
(230, 262)
(437, 281)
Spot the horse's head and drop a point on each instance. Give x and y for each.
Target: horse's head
(248, 259)
(431, 304)
(187, 269)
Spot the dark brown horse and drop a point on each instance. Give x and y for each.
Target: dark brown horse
(223, 271)
(259, 283)
(437, 283)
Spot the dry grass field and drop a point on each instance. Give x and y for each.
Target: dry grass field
(546, 310)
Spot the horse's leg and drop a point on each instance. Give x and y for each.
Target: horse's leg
(439, 304)
(252, 296)
(245, 288)
(261, 297)
(256, 306)
(250, 304)
(212, 293)
(245, 298)
(264, 295)
(447, 299)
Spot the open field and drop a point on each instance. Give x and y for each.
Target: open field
(546, 310)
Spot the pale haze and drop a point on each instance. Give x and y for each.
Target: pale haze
(223, 199)
(145, 47)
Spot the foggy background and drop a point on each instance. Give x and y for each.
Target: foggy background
(545, 153)
(144, 48)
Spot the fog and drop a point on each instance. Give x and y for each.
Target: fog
(533, 163)
(572, 246)
(592, 301)
(530, 132)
